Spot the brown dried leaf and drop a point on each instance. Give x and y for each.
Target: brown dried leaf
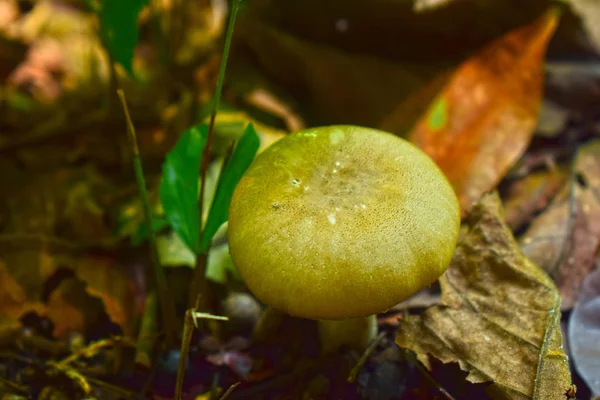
(26, 265)
(483, 120)
(565, 238)
(531, 194)
(499, 318)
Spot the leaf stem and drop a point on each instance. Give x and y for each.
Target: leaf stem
(166, 301)
(199, 285)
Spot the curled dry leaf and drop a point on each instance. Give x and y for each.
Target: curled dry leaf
(584, 332)
(499, 318)
(483, 120)
(564, 239)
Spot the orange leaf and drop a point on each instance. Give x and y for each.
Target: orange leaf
(484, 118)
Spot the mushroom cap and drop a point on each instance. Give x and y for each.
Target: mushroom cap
(341, 221)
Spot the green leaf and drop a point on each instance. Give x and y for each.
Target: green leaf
(179, 185)
(119, 29)
(232, 173)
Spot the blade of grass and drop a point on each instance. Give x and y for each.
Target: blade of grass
(199, 285)
(167, 304)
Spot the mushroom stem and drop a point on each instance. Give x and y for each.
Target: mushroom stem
(355, 333)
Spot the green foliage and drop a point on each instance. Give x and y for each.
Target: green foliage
(232, 173)
(179, 185)
(119, 28)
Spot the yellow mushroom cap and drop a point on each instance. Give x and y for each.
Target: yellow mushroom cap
(341, 221)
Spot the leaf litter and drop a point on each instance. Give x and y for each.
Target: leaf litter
(565, 238)
(500, 315)
(505, 309)
(484, 118)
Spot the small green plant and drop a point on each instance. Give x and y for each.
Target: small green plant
(180, 185)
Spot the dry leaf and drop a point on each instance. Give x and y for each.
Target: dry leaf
(589, 12)
(483, 120)
(393, 29)
(28, 263)
(565, 238)
(499, 318)
(334, 86)
(527, 196)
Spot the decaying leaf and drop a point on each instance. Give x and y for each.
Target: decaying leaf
(564, 239)
(500, 315)
(584, 332)
(55, 222)
(531, 194)
(28, 264)
(483, 120)
(589, 11)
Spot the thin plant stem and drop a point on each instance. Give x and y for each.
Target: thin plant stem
(167, 304)
(216, 101)
(366, 354)
(229, 391)
(188, 330)
(199, 285)
(190, 321)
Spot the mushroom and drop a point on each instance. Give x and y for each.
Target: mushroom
(340, 223)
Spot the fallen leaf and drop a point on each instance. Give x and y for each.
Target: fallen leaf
(397, 30)
(573, 85)
(28, 263)
(525, 197)
(584, 332)
(333, 86)
(268, 102)
(483, 120)
(65, 53)
(589, 12)
(552, 119)
(564, 239)
(500, 315)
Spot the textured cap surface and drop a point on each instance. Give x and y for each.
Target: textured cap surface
(341, 221)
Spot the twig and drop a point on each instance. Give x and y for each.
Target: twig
(108, 387)
(199, 285)
(13, 386)
(430, 378)
(190, 321)
(229, 391)
(92, 349)
(188, 330)
(166, 301)
(356, 369)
